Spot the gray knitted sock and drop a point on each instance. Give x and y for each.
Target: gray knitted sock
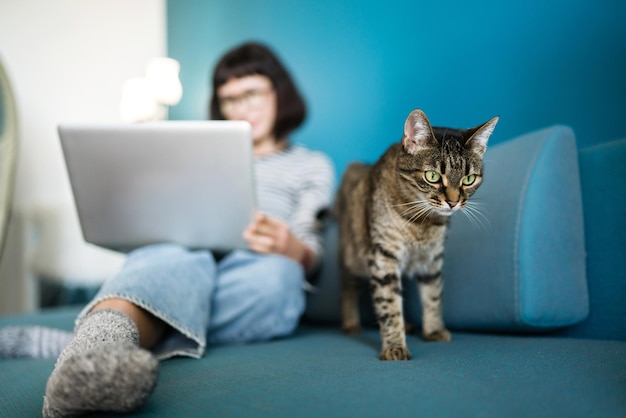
(32, 341)
(102, 369)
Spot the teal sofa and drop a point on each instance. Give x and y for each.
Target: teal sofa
(535, 296)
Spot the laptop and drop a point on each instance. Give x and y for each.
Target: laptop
(185, 182)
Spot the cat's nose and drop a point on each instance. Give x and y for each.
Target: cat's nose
(452, 203)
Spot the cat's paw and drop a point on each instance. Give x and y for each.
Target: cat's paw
(440, 335)
(395, 353)
(352, 329)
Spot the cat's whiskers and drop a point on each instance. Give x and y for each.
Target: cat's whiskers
(474, 214)
(407, 210)
(413, 205)
(424, 208)
(475, 202)
(406, 204)
(416, 205)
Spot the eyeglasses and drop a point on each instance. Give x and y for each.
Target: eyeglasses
(252, 99)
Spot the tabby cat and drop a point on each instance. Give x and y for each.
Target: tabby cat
(393, 218)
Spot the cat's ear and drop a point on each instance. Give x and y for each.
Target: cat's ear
(418, 133)
(478, 141)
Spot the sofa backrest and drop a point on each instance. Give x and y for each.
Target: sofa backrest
(573, 174)
(603, 179)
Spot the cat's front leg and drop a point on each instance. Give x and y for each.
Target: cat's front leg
(386, 289)
(430, 287)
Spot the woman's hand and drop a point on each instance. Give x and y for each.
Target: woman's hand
(271, 236)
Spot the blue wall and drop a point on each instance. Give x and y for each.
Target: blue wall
(364, 65)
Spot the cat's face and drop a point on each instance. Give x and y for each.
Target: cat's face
(441, 167)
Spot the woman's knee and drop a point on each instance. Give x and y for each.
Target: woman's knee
(278, 287)
(278, 305)
(263, 298)
(280, 276)
(171, 261)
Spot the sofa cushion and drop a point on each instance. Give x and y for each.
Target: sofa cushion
(520, 265)
(321, 372)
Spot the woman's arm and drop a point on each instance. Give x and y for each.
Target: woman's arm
(300, 237)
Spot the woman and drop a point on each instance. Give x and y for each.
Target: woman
(172, 301)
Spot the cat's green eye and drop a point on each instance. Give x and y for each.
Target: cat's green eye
(432, 176)
(469, 180)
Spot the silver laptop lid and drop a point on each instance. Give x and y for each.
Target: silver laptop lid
(185, 182)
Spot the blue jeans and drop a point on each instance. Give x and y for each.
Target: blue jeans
(242, 298)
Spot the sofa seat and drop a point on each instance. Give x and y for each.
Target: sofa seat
(319, 372)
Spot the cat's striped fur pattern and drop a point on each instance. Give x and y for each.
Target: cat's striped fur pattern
(393, 220)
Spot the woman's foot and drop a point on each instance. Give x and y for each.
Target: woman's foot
(102, 369)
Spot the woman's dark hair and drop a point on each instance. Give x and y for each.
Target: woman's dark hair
(252, 58)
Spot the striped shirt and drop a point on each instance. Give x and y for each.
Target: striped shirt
(293, 185)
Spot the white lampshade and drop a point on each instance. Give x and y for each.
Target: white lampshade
(162, 79)
(138, 103)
